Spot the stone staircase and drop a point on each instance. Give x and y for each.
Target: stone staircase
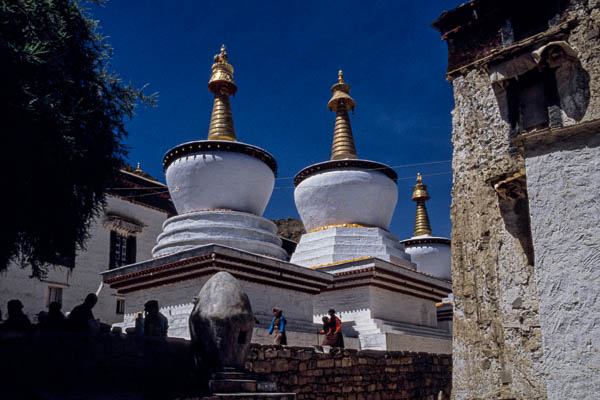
(374, 326)
(239, 385)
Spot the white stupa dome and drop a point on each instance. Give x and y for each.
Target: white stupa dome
(220, 175)
(220, 187)
(342, 192)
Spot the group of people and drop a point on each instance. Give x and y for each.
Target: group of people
(150, 323)
(332, 329)
(79, 320)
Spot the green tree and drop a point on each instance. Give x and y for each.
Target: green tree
(63, 123)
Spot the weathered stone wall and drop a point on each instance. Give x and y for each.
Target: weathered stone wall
(499, 259)
(496, 334)
(563, 181)
(352, 374)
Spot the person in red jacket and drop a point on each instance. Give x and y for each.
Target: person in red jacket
(333, 330)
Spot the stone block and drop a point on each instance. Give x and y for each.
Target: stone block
(284, 353)
(279, 365)
(325, 363)
(261, 367)
(348, 362)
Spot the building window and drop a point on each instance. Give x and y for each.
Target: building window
(55, 293)
(533, 101)
(120, 306)
(122, 249)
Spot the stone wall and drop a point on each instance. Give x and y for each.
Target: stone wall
(352, 374)
(497, 337)
(500, 254)
(72, 366)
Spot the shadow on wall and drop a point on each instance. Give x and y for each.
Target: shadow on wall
(515, 214)
(513, 204)
(573, 85)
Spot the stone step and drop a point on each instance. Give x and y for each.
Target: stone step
(418, 330)
(240, 385)
(251, 396)
(400, 328)
(232, 385)
(235, 375)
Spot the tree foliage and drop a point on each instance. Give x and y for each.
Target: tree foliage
(63, 122)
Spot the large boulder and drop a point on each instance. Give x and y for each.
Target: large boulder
(221, 323)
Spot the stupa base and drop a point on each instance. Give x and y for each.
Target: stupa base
(339, 244)
(239, 230)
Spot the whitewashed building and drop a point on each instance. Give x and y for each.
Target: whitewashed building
(124, 233)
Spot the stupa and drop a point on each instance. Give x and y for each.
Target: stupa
(346, 203)
(220, 187)
(430, 253)
(347, 261)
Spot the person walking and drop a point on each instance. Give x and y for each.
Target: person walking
(155, 323)
(81, 316)
(333, 330)
(278, 325)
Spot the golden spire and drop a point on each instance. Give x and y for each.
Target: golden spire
(341, 102)
(420, 195)
(138, 169)
(222, 85)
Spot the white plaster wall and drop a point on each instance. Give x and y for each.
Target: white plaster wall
(84, 278)
(396, 342)
(563, 183)
(432, 259)
(401, 307)
(344, 196)
(362, 304)
(345, 302)
(176, 303)
(212, 180)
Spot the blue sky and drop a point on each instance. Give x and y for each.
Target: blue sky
(286, 55)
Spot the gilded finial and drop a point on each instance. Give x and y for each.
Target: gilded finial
(420, 195)
(138, 169)
(341, 101)
(222, 85)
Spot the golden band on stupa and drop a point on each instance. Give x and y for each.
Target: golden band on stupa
(343, 141)
(221, 83)
(420, 195)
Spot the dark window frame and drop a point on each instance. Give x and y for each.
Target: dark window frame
(123, 250)
(544, 79)
(50, 298)
(120, 307)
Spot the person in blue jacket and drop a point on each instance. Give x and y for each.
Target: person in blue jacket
(278, 325)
